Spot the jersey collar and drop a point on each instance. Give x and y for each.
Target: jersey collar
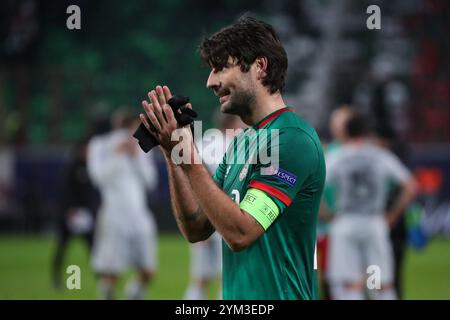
(272, 116)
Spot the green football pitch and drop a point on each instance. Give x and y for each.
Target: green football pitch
(25, 270)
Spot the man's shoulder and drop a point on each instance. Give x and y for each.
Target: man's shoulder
(97, 142)
(346, 152)
(383, 155)
(291, 123)
(374, 151)
(299, 142)
(336, 155)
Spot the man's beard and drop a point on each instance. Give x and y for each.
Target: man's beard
(240, 104)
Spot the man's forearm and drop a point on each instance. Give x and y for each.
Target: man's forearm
(190, 219)
(405, 198)
(236, 227)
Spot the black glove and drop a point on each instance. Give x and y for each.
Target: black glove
(183, 115)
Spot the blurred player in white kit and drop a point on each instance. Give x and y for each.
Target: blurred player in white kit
(126, 234)
(359, 233)
(338, 120)
(206, 256)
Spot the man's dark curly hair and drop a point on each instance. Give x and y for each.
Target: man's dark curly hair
(357, 126)
(246, 40)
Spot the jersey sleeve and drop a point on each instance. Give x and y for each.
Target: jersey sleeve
(395, 169)
(100, 164)
(148, 170)
(298, 159)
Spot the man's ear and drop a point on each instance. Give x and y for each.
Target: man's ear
(261, 67)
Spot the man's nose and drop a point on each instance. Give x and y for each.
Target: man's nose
(213, 81)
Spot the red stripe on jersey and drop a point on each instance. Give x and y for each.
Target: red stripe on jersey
(271, 190)
(273, 116)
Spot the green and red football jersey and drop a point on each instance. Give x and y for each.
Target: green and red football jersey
(281, 263)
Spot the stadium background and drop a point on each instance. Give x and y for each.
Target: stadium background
(58, 85)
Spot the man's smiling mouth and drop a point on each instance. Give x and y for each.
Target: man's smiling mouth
(224, 98)
(224, 95)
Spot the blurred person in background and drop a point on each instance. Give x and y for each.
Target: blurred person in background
(385, 138)
(79, 207)
(206, 256)
(126, 234)
(337, 129)
(21, 32)
(359, 233)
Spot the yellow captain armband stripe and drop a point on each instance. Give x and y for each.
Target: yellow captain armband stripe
(260, 206)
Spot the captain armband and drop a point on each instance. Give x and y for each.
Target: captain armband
(260, 206)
